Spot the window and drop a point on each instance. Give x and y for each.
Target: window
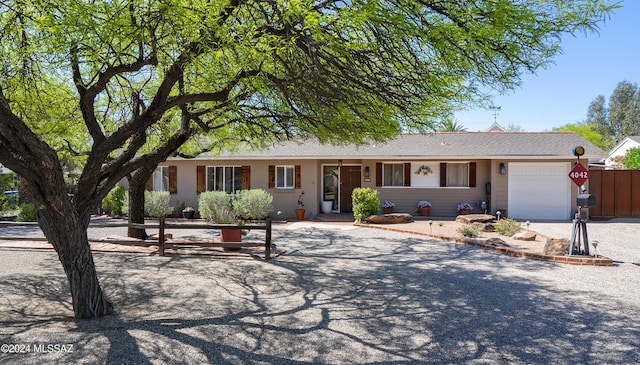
(285, 177)
(393, 174)
(224, 178)
(161, 179)
(457, 174)
(164, 178)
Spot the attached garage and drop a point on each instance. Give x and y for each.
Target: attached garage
(539, 190)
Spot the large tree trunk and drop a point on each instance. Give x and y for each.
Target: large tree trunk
(66, 230)
(69, 237)
(137, 187)
(136, 210)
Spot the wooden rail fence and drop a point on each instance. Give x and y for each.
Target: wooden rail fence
(162, 226)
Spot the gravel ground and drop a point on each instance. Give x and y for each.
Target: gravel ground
(340, 295)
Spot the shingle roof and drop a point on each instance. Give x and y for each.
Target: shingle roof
(512, 145)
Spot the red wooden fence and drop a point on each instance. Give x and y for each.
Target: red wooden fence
(617, 193)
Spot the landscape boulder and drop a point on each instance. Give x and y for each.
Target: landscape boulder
(390, 218)
(525, 236)
(485, 227)
(557, 246)
(496, 242)
(475, 218)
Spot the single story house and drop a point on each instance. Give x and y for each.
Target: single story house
(617, 153)
(524, 175)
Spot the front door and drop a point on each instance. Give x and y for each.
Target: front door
(349, 180)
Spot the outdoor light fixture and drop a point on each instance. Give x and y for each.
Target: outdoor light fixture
(366, 171)
(503, 168)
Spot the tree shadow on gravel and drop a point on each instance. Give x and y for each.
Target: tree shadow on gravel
(339, 297)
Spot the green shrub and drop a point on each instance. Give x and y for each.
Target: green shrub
(215, 206)
(156, 203)
(507, 227)
(469, 230)
(4, 204)
(114, 201)
(8, 202)
(253, 204)
(365, 203)
(125, 202)
(27, 213)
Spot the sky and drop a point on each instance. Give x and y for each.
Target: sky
(590, 65)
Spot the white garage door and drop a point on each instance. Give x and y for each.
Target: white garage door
(539, 190)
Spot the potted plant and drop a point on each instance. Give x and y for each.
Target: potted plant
(387, 207)
(188, 212)
(464, 208)
(300, 211)
(424, 207)
(216, 207)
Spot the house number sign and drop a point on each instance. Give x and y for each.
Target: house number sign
(579, 174)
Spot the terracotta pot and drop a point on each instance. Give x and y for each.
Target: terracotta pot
(424, 211)
(464, 212)
(300, 214)
(230, 235)
(387, 210)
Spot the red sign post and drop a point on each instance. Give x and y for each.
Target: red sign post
(579, 174)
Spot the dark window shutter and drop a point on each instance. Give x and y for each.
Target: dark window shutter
(272, 176)
(443, 174)
(245, 171)
(201, 183)
(378, 173)
(472, 174)
(173, 179)
(298, 181)
(407, 174)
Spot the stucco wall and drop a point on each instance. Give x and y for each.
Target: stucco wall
(444, 200)
(285, 200)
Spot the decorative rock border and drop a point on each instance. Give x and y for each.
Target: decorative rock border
(573, 260)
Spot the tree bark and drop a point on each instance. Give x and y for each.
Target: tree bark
(136, 210)
(69, 237)
(137, 187)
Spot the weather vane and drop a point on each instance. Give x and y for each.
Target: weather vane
(496, 110)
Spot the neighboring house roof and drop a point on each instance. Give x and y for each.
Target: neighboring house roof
(631, 140)
(495, 127)
(447, 145)
(621, 148)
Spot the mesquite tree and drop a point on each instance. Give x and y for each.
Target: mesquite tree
(133, 80)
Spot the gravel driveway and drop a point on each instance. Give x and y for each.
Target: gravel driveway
(340, 295)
